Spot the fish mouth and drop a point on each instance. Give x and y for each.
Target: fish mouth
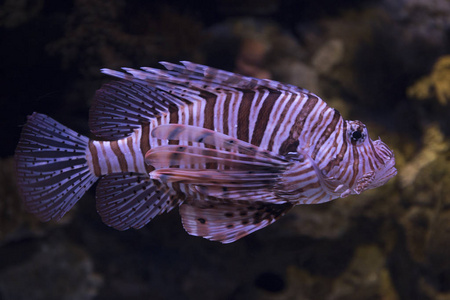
(371, 180)
(385, 173)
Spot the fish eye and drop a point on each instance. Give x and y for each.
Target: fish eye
(357, 132)
(356, 135)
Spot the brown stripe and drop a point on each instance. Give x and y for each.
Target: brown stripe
(319, 198)
(174, 118)
(120, 156)
(173, 114)
(263, 117)
(190, 108)
(339, 156)
(290, 99)
(367, 154)
(208, 117)
(298, 125)
(108, 163)
(355, 166)
(94, 155)
(326, 134)
(130, 147)
(225, 113)
(244, 115)
(377, 157)
(145, 138)
(145, 143)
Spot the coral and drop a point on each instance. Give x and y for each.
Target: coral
(421, 19)
(365, 278)
(434, 143)
(260, 49)
(416, 223)
(329, 220)
(97, 35)
(328, 56)
(438, 243)
(14, 13)
(436, 85)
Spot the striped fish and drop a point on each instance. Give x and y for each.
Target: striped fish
(235, 153)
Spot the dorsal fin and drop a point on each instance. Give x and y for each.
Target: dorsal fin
(119, 107)
(205, 74)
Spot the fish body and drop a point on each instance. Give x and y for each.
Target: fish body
(235, 153)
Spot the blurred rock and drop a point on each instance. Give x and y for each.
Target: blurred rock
(301, 285)
(328, 56)
(365, 278)
(251, 57)
(416, 223)
(434, 144)
(15, 222)
(14, 13)
(97, 36)
(426, 20)
(330, 220)
(297, 73)
(438, 243)
(263, 50)
(253, 7)
(55, 271)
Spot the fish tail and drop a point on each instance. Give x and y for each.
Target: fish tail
(52, 170)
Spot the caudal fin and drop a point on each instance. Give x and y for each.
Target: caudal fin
(52, 171)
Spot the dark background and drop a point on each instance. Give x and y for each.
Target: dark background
(382, 62)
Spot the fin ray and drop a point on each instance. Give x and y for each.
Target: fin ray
(170, 155)
(228, 222)
(131, 200)
(52, 171)
(120, 107)
(188, 133)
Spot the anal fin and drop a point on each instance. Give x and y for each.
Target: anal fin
(131, 200)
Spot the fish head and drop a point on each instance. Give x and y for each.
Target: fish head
(368, 163)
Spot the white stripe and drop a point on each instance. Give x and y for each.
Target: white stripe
(254, 111)
(101, 157)
(122, 143)
(111, 156)
(274, 118)
(285, 127)
(233, 111)
(327, 118)
(218, 112)
(139, 156)
(311, 120)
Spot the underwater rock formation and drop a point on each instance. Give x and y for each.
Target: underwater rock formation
(436, 85)
(53, 270)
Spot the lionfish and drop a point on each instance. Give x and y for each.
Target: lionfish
(235, 153)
